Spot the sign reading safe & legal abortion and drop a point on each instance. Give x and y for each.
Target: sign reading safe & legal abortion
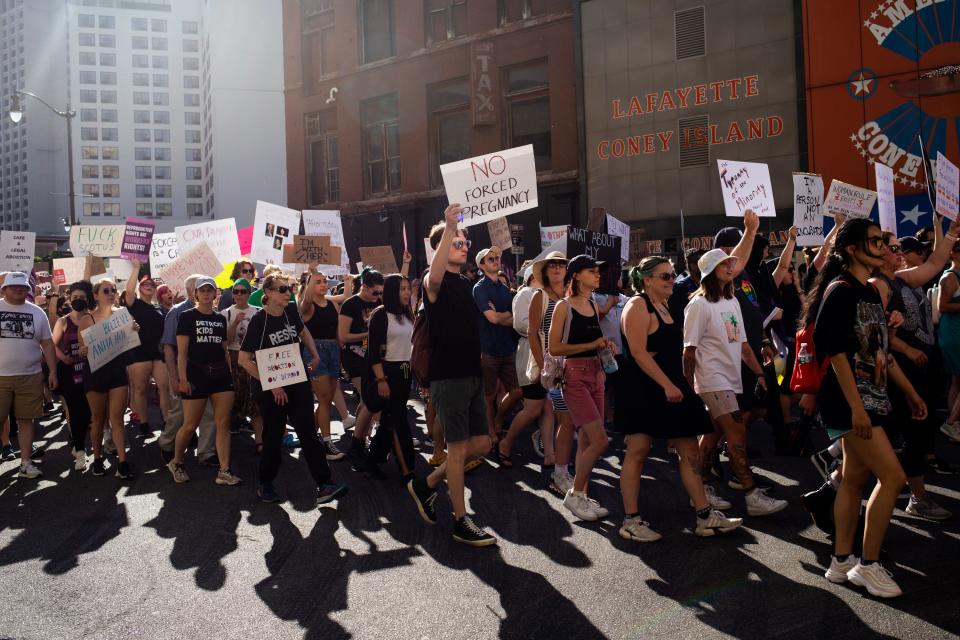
(280, 366)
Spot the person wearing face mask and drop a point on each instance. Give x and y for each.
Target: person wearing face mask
(145, 360)
(70, 366)
(106, 387)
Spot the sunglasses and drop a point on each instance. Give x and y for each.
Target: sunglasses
(894, 248)
(876, 241)
(460, 244)
(246, 271)
(107, 291)
(667, 277)
(241, 292)
(492, 259)
(282, 289)
(557, 263)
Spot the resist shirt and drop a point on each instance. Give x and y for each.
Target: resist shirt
(716, 330)
(266, 331)
(22, 327)
(207, 334)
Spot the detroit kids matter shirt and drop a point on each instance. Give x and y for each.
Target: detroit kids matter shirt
(207, 333)
(22, 327)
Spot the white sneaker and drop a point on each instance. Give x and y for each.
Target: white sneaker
(79, 460)
(598, 508)
(716, 523)
(579, 506)
(837, 573)
(951, 430)
(227, 478)
(760, 504)
(349, 421)
(715, 501)
(638, 530)
(878, 581)
(178, 472)
(561, 482)
(333, 453)
(29, 471)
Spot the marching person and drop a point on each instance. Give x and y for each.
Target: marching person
(70, 366)
(238, 317)
(277, 325)
(203, 374)
(145, 361)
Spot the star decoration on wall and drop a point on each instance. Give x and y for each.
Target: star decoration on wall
(913, 215)
(861, 84)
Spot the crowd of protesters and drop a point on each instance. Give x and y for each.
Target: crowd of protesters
(860, 340)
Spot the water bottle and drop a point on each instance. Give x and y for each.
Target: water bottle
(804, 356)
(607, 360)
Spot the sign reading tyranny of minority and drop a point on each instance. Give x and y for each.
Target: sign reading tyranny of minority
(220, 236)
(808, 209)
(108, 339)
(16, 250)
(746, 185)
(137, 238)
(104, 240)
(948, 183)
(492, 186)
(886, 203)
(311, 249)
(855, 202)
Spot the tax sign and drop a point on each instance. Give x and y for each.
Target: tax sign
(492, 186)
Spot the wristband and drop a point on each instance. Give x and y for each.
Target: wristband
(951, 238)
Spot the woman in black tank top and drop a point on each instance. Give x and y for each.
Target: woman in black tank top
(321, 317)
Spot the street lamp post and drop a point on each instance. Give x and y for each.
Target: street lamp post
(68, 114)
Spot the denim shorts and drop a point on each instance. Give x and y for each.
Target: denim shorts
(329, 352)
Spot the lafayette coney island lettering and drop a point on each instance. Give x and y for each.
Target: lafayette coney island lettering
(682, 98)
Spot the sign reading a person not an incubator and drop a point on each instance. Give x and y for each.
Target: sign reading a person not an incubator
(492, 186)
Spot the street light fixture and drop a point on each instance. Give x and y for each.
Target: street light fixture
(68, 114)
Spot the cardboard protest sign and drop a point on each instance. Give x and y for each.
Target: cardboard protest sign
(854, 202)
(104, 240)
(280, 366)
(108, 339)
(163, 251)
(621, 230)
(549, 235)
(17, 250)
(492, 186)
(273, 227)
(379, 258)
(602, 247)
(321, 222)
(220, 236)
(137, 237)
(746, 185)
(200, 259)
(886, 203)
(948, 185)
(307, 249)
(68, 270)
(500, 233)
(808, 209)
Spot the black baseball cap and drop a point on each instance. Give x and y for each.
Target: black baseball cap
(909, 243)
(727, 237)
(581, 262)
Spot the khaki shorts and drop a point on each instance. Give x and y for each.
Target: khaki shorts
(24, 394)
(720, 403)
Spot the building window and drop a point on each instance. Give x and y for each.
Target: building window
(89, 153)
(194, 210)
(108, 40)
(316, 7)
(111, 209)
(88, 95)
(89, 171)
(89, 133)
(108, 77)
(139, 42)
(91, 190)
(191, 155)
(143, 173)
(138, 24)
(191, 64)
(161, 135)
(86, 40)
(191, 136)
(319, 49)
(162, 153)
(190, 27)
(86, 20)
(376, 36)
(141, 117)
(194, 173)
(108, 59)
(190, 46)
(111, 172)
(194, 191)
(159, 25)
(161, 80)
(111, 191)
(527, 107)
(109, 134)
(87, 57)
(141, 80)
(110, 153)
(142, 153)
(91, 209)
(191, 99)
(161, 99)
(144, 209)
(108, 22)
(161, 173)
(380, 118)
(88, 115)
(323, 170)
(88, 77)
(164, 210)
(164, 191)
(514, 10)
(450, 129)
(108, 96)
(144, 191)
(160, 62)
(191, 82)
(191, 118)
(161, 117)
(159, 44)
(141, 135)
(108, 115)
(141, 61)
(445, 19)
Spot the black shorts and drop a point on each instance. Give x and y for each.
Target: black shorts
(354, 365)
(144, 353)
(112, 375)
(533, 391)
(206, 381)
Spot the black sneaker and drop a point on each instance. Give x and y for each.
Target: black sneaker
(144, 431)
(266, 493)
(330, 492)
(467, 532)
(167, 456)
(98, 469)
(819, 504)
(823, 462)
(371, 467)
(943, 467)
(424, 496)
(123, 471)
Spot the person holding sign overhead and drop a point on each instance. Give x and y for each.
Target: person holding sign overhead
(146, 361)
(203, 370)
(279, 325)
(107, 386)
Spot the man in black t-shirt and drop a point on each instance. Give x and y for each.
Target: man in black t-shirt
(456, 385)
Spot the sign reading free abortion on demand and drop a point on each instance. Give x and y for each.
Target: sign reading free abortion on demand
(492, 186)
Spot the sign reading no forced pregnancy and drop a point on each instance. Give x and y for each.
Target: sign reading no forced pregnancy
(492, 186)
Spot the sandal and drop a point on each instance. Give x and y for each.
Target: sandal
(504, 460)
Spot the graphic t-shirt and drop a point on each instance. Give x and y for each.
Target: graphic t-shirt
(751, 311)
(266, 331)
(359, 312)
(207, 333)
(242, 325)
(716, 330)
(22, 327)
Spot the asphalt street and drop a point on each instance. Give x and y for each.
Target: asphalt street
(91, 557)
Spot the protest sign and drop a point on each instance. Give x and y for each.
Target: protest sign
(280, 366)
(516, 238)
(428, 250)
(163, 251)
(68, 270)
(746, 185)
(855, 202)
(948, 185)
(549, 235)
(886, 203)
(121, 268)
(273, 227)
(320, 222)
(44, 283)
(307, 249)
(622, 231)
(500, 233)
(492, 186)
(808, 209)
(245, 240)
(17, 250)
(200, 259)
(602, 247)
(108, 339)
(379, 258)
(104, 240)
(137, 238)
(220, 236)
(106, 275)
